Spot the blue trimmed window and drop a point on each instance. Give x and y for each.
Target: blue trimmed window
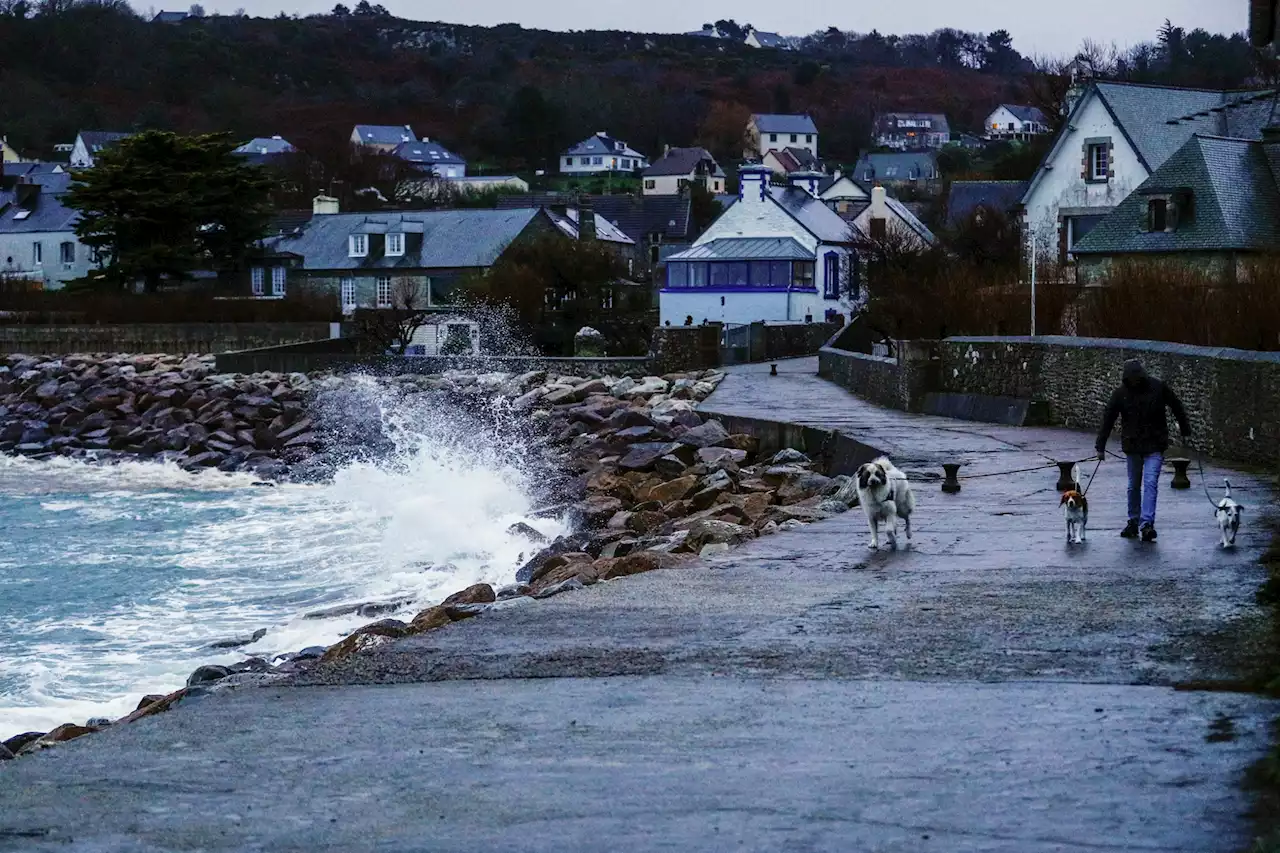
(831, 275)
(736, 275)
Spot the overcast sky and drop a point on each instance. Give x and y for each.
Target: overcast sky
(1037, 26)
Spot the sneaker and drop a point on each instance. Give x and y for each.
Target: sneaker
(1130, 531)
(1149, 533)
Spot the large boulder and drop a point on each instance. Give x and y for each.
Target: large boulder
(708, 434)
(366, 638)
(672, 490)
(481, 593)
(632, 564)
(708, 531)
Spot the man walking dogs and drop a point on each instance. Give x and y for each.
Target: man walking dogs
(1140, 403)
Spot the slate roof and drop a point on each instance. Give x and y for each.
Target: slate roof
(1235, 203)
(265, 146)
(830, 181)
(966, 196)
(32, 171)
(1024, 113)
(170, 17)
(385, 134)
(796, 159)
(746, 248)
(44, 211)
(605, 230)
(900, 162)
(427, 154)
(818, 219)
(683, 161)
(449, 239)
(635, 216)
(603, 144)
(913, 222)
(774, 123)
(96, 140)
(1158, 120)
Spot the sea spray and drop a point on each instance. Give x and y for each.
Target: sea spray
(115, 579)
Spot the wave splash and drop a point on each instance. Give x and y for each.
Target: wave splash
(115, 579)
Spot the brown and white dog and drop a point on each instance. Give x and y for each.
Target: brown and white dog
(885, 496)
(1075, 507)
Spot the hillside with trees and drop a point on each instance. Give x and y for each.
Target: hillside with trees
(507, 98)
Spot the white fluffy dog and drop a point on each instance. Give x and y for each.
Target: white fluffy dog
(885, 496)
(1228, 514)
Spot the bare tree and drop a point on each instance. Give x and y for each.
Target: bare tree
(393, 328)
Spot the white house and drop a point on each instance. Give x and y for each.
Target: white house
(8, 154)
(601, 154)
(1013, 121)
(382, 137)
(769, 132)
(680, 167)
(1114, 138)
(776, 254)
(431, 158)
(842, 193)
(89, 143)
(886, 218)
(756, 38)
(908, 131)
(38, 241)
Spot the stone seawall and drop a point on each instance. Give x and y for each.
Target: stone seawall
(171, 338)
(1232, 397)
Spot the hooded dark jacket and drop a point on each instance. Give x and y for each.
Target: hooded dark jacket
(1140, 403)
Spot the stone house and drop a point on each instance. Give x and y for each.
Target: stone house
(1116, 137)
(1213, 204)
(897, 168)
(776, 254)
(909, 131)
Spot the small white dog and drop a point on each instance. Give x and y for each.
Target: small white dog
(885, 496)
(1228, 514)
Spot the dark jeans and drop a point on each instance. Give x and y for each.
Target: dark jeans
(1144, 486)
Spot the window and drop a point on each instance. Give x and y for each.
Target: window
(626, 164)
(831, 276)
(384, 291)
(395, 245)
(879, 228)
(67, 253)
(1099, 161)
(598, 161)
(568, 161)
(655, 253)
(773, 137)
(359, 247)
(795, 137)
(256, 278)
(348, 295)
(277, 281)
(651, 185)
(891, 171)
(1072, 230)
(606, 297)
(802, 274)
(37, 254)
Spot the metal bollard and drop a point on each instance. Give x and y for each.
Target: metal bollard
(1065, 482)
(951, 484)
(1180, 478)
(773, 370)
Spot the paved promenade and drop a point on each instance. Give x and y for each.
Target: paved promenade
(989, 689)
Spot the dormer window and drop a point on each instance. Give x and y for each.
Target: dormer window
(1158, 214)
(359, 246)
(395, 245)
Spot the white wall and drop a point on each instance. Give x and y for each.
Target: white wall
(608, 163)
(670, 184)
(1061, 186)
(16, 257)
(675, 306)
(80, 156)
(784, 141)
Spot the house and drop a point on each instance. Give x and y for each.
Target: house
(790, 160)
(365, 260)
(89, 144)
(38, 241)
(170, 17)
(1013, 121)
(263, 151)
(756, 38)
(8, 154)
(897, 168)
(972, 201)
(886, 218)
(708, 31)
(1213, 203)
(382, 137)
(601, 154)
(843, 194)
(431, 158)
(770, 132)
(1116, 137)
(680, 167)
(659, 225)
(776, 254)
(908, 131)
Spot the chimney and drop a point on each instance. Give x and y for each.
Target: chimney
(753, 182)
(879, 206)
(1271, 135)
(806, 180)
(323, 205)
(586, 219)
(666, 150)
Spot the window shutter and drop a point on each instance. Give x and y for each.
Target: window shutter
(1111, 160)
(1084, 162)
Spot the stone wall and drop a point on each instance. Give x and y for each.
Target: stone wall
(171, 338)
(304, 359)
(789, 340)
(898, 382)
(686, 347)
(1232, 397)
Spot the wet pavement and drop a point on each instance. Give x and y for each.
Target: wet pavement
(989, 689)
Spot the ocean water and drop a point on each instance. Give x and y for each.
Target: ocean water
(115, 579)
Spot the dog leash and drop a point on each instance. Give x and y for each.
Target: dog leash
(1085, 493)
(1204, 484)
